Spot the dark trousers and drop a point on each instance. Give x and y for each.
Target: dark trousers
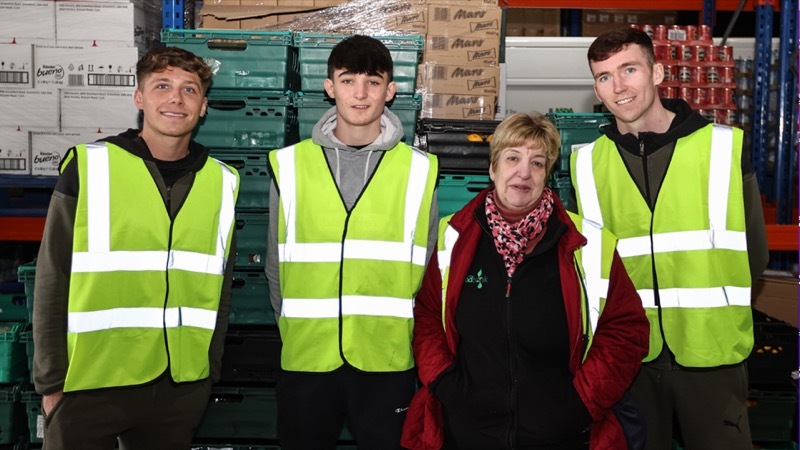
(313, 407)
(710, 406)
(157, 416)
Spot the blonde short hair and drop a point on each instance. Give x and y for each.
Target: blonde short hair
(522, 129)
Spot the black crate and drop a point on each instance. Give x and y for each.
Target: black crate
(461, 145)
(252, 357)
(774, 355)
(239, 413)
(771, 416)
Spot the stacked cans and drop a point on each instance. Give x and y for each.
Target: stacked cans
(696, 70)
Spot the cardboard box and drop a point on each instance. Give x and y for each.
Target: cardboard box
(452, 79)
(27, 108)
(597, 21)
(105, 109)
(405, 16)
(776, 296)
(78, 67)
(48, 147)
(462, 50)
(533, 22)
(112, 25)
(454, 106)
(247, 17)
(14, 152)
(465, 20)
(16, 66)
(27, 22)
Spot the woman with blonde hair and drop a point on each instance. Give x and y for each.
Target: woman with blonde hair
(527, 328)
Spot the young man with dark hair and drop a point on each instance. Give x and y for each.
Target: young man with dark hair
(133, 275)
(353, 222)
(681, 196)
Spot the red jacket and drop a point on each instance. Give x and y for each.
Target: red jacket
(619, 344)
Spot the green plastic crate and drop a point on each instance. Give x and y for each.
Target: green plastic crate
(456, 190)
(310, 107)
(33, 410)
(26, 274)
(251, 240)
(577, 130)
(242, 59)
(13, 355)
(254, 179)
(12, 416)
(26, 337)
(314, 49)
(562, 186)
(240, 413)
(13, 306)
(771, 416)
(250, 303)
(248, 120)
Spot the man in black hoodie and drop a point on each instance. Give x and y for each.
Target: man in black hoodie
(681, 196)
(133, 275)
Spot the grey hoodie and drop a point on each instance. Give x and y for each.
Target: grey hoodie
(351, 169)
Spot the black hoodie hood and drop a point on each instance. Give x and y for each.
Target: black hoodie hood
(686, 122)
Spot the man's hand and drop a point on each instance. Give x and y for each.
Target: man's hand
(50, 401)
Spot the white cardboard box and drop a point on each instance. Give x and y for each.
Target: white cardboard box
(14, 152)
(90, 67)
(47, 148)
(29, 108)
(16, 66)
(27, 22)
(107, 24)
(81, 108)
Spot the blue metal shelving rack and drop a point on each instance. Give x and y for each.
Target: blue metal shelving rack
(786, 156)
(172, 13)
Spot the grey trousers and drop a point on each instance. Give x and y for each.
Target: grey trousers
(158, 416)
(710, 406)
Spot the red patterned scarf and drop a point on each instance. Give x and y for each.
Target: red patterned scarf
(511, 239)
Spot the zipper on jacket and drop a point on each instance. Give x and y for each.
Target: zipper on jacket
(651, 205)
(512, 392)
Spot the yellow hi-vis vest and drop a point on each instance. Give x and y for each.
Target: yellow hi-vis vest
(138, 275)
(348, 279)
(692, 245)
(592, 264)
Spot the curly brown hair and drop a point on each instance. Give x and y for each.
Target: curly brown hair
(158, 59)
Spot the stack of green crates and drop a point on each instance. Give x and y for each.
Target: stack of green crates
(250, 113)
(576, 130)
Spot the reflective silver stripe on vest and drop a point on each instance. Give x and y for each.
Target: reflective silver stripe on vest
(405, 251)
(84, 322)
(100, 257)
(714, 297)
(681, 241)
(352, 305)
(444, 255)
(592, 262)
(587, 190)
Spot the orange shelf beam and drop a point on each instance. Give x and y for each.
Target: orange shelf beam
(680, 5)
(782, 237)
(21, 228)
